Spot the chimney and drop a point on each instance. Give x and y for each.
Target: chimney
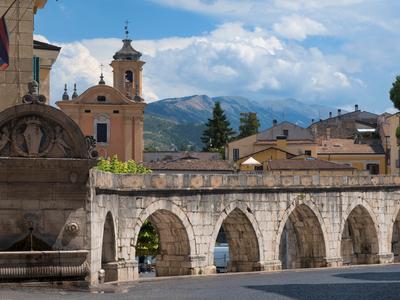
(274, 122)
(356, 107)
(330, 114)
(339, 112)
(312, 121)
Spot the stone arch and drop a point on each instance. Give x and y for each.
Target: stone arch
(177, 242)
(359, 235)
(243, 235)
(394, 233)
(303, 226)
(239, 211)
(108, 249)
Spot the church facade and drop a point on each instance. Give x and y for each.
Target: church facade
(113, 115)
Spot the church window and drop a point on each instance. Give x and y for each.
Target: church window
(101, 134)
(101, 99)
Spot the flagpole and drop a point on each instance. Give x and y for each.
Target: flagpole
(8, 9)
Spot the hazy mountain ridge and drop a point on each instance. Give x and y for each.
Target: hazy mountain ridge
(178, 122)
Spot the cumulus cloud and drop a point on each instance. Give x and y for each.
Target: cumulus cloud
(298, 28)
(231, 60)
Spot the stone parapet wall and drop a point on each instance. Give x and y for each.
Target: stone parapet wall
(116, 182)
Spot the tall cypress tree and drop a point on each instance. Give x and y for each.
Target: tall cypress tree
(218, 131)
(249, 124)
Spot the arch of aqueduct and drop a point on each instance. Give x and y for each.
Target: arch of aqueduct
(62, 220)
(270, 223)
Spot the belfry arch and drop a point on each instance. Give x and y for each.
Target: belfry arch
(359, 240)
(302, 242)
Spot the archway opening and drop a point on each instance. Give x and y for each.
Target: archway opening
(170, 251)
(236, 248)
(396, 239)
(108, 252)
(359, 243)
(302, 243)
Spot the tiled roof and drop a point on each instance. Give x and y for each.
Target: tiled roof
(173, 155)
(347, 146)
(191, 165)
(295, 133)
(312, 164)
(45, 46)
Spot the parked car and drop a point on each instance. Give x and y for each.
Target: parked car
(221, 257)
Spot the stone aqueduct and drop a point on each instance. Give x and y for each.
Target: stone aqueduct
(62, 220)
(270, 222)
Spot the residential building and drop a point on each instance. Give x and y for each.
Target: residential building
(20, 23)
(370, 157)
(388, 125)
(113, 115)
(274, 142)
(346, 126)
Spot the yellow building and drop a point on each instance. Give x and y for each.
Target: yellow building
(388, 125)
(360, 156)
(113, 115)
(20, 24)
(279, 141)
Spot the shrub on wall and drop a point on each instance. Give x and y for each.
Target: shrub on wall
(114, 165)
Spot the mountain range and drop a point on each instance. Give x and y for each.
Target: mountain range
(178, 123)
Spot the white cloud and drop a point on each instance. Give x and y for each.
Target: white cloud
(298, 28)
(231, 60)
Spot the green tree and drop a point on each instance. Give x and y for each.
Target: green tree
(395, 93)
(249, 124)
(217, 132)
(148, 241)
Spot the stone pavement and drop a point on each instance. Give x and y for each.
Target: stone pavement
(362, 282)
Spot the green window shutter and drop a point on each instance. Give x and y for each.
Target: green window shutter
(36, 69)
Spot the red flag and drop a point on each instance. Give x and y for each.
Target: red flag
(4, 45)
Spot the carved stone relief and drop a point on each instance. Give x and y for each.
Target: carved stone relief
(33, 137)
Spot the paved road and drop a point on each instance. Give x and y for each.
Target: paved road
(376, 282)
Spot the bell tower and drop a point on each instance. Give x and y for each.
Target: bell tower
(127, 69)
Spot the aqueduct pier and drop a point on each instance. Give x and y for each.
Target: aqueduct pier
(270, 222)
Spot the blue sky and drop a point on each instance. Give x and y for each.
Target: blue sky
(330, 52)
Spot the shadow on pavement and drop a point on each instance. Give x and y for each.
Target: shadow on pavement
(376, 276)
(365, 291)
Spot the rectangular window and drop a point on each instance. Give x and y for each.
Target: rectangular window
(36, 68)
(236, 154)
(373, 169)
(286, 132)
(102, 133)
(307, 152)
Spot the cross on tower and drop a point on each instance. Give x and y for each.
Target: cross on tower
(127, 29)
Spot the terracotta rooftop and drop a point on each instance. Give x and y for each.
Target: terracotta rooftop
(347, 146)
(191, 165)
(311, 164)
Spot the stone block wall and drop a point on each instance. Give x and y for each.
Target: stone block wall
(14, 81)
(254, 210)
(44, 197)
